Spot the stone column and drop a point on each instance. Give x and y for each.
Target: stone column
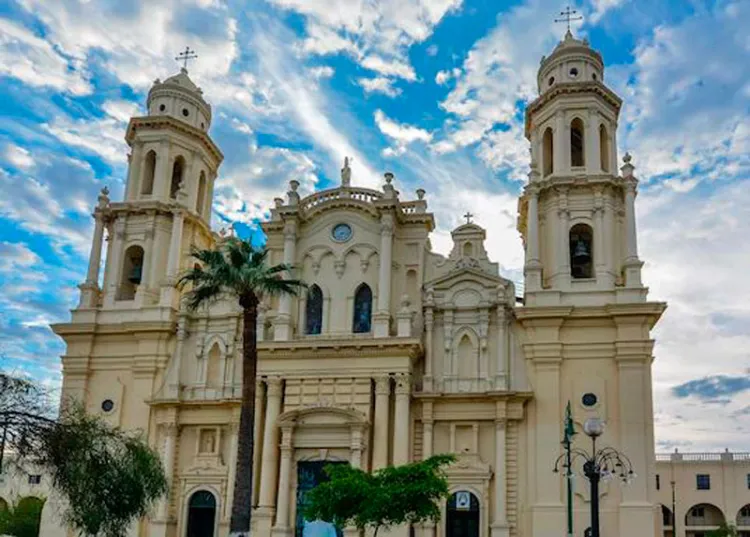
(173, 259)
(533, 266)
(135, 160)
(563, 258)
(427, 426)
(257, 429)
(114, 271)
(591, 144)
(631, 237)
(501, 371)
(92, 275)
(561, 149)
(402, 418)
(232, 465)
(173, 373)
(356, 446)
(148, 261)
(380, 426)
(429, 319)
(270, 457)
(382, 317)
(500, 526)
(162, 175)
(283, 322)
(168, 457)
(285, 481)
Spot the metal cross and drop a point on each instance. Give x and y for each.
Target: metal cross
(567, 16)
(185, 56)
(468, 217)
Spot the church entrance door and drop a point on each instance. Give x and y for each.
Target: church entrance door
(462, 518)
(309, 475)
(201, 514)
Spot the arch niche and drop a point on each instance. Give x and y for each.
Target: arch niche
(576, 144)
(147, 186)
(132, 272)
(547, 152)
(462, 515)
(704, 515)
(201, 519)
(178, 169)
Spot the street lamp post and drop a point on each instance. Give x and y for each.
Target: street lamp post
(602, 464)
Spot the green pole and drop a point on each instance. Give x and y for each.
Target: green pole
(567, 441)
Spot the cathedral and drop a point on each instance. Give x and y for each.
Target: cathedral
(395, 352)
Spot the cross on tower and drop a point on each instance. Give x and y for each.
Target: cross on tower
(567, 16)
(186, 56)
(468, 217)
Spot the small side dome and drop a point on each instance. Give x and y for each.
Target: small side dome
(573, 60)
(179, 97)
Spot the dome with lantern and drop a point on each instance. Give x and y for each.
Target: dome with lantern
(180, 98)
(572, 61)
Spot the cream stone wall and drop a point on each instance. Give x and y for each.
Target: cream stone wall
(727, 499)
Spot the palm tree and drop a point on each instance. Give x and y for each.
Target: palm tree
(235, 268)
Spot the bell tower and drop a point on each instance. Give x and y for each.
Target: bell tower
(167, 207)
(576, 215)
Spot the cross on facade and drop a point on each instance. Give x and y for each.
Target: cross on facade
(468, 217)
(186, 56)
(567, 16)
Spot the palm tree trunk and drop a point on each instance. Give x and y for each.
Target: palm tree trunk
(239, 524)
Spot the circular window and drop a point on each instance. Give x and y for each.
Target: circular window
(341, 232)
(593, 75)
(573, 72)
(108, 405)
(162, 107)
(551, 80)
(589, 399)
(185, 112)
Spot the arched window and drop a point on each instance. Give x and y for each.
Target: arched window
(132, 272)
(743, 516)
(576, 143)
(604, 148)
(581, 251)
(201, 514)
(468, 366)
(667, 520)
(706, 515)
(548, 152)
(411, 286)
(177, 170)
(362, 309)
(201, 199)
(314, 311)
(462, 515)
(149, 169)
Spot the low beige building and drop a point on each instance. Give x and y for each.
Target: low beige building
(396, 352)
(703, 490)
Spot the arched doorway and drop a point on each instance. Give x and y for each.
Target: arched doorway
(201, 514)
(462, 517)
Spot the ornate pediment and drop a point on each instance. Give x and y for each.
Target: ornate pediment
(468, 286)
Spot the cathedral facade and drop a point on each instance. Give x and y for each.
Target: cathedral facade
(395, 352)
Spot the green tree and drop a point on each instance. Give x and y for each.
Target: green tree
(389, 497)
(22, 519)
(108, 477)
(235, 268)
(724, 530)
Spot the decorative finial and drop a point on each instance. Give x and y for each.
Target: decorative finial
(346, 173)
(186, 56)
(278, 202)
(420, 193)
(388, 177)
(103, 198)
(567, 16)
(294, 185)
(468, 217)
(627, 158)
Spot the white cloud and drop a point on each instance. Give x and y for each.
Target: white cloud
(442, 77)
(379, 84)
(389, 68)
(18, 156)
(432, 50)
(35, 62)
(401, 134)
(322, 71)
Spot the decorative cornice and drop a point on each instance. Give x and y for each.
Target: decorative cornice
(153, 122)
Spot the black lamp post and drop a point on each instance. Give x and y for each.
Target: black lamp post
(604, 463)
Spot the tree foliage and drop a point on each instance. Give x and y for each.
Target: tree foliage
(21, 519)
(724, 530)
(108, 477)
(394, 495)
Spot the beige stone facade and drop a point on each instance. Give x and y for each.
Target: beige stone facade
(397, 352)
(703, 490)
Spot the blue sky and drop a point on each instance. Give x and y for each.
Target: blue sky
(432, 90)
